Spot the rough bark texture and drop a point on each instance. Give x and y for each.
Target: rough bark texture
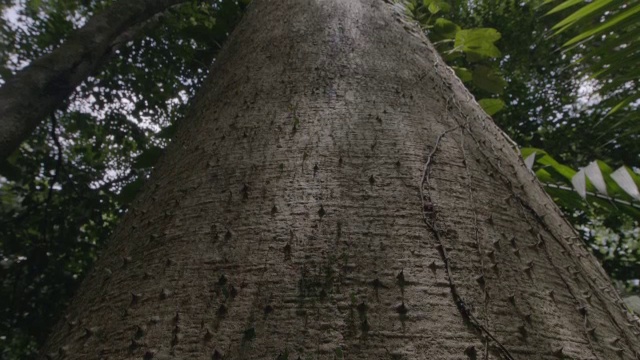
(336, 193)
(39, 89)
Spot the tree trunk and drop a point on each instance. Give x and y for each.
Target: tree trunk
(39, 89)
(336, 193)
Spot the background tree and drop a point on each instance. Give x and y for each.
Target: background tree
(66, 187)
(36, 91)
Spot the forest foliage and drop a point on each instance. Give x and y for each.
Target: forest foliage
(550, 87)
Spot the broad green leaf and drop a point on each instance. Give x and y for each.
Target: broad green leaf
(544, 176)
(562, 172)
(436, 6)
(491, 106)
(463, 73)
(479, 41)
(445, 28)
(488, 79)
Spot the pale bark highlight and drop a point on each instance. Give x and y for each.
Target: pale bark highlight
(336, 193)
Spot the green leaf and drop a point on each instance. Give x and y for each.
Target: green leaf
(529, 150)
(605, 26)
(478, 41)
(445, 28)
(580, 14)
(463, 73)
(564, 5)
(560, 172)
(435, 6)
(488, 79)
(544, 176)
(491, 106)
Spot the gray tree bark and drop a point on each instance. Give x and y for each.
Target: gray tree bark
(336, 193)
(38, 90)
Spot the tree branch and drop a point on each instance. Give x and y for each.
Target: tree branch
(37, 90)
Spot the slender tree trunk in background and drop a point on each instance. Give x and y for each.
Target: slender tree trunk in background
(39, 89)
(336, 193)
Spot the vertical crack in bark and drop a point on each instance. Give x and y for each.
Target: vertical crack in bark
(429, 214)
(463, 127)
